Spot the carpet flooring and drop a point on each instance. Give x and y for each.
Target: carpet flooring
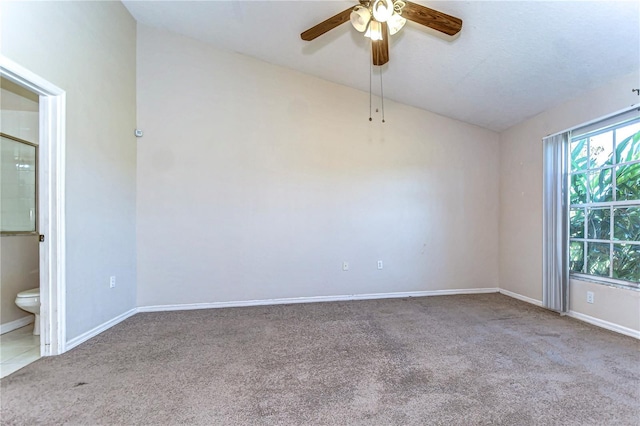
(478, 359)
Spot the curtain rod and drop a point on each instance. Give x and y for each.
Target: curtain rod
(604, 117)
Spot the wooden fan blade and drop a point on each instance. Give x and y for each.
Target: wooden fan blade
(432, 18)
(380, 48)
(327, 25)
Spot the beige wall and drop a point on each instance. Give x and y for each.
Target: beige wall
(19, 253)
(18, 112)
(257, 182)
(615, 305)
(18, 272)
(521, 198)
(88, 49)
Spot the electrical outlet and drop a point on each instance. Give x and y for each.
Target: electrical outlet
(345, 266)
(589, 297)
(379, 264)
(112, 281)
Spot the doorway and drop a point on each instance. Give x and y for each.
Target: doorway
(50, 194)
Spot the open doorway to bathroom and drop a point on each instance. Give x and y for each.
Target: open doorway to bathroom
(32, 206)
(19, 245)
(19, 251)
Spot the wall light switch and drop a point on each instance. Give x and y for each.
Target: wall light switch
(112, 281)
(345, 266)
(379, 264)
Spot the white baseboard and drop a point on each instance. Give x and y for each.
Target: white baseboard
(190, 306)
(97, 330)
(582, 317)
(4, 328)
(14, 325)
(521, 297)
(605, 324)
(312, 299)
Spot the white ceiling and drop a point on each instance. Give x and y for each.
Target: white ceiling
(511, 61)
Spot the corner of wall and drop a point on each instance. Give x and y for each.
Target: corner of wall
(521, 198)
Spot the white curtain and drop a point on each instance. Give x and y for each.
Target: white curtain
(555, 233)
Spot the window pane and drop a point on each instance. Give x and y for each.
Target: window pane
(576, 256)
(578, 155)
(578, 188)
(626, 262)
(628, 182)
(600, 186)
(628, 143)
(599, 226)
(627, 224)
(576, 223)
(598, 259)
(601, 150)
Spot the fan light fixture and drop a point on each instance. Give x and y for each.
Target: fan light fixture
(374, 32)
(367, 18)
(382, 10)
(360, 18)
(395, 23)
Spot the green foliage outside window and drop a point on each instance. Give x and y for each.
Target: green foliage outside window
(604, 218)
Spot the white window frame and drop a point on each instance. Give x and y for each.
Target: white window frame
(611, 205)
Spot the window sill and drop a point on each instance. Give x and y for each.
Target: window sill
(604, 281)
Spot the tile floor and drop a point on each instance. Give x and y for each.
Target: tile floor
(17, 349)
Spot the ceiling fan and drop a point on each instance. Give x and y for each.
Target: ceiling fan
(378, 19)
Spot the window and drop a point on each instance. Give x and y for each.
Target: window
(17, 186)
(604, 199)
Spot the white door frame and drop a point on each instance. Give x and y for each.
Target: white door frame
(51, 214)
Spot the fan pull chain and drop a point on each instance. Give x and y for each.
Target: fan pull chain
(370, 76)
(381, 95)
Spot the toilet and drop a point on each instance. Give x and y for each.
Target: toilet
(29, 300)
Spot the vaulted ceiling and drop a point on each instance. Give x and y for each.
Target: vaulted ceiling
(511, 61)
